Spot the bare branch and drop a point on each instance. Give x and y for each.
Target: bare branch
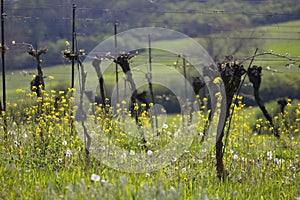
(287, 56)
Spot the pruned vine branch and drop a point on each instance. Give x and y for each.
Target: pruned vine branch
(271, 53)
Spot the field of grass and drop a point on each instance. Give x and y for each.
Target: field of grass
(41, 158)
(283, 39)
(59, 77)
(284, 83)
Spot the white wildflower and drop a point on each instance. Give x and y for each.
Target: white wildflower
(13, 132)
(235, 157)
(174, 159)
(95, 178)
(68, 153)
(132, 153)
(16, 143)
(165, 126)
(172, 189)
(278, 161)
(102, 148)
(269, 155)
(190, 127)
(124, 155)
(149, 152)
(176, 134)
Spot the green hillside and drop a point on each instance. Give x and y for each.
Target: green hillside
(44, 23)
(281, 40)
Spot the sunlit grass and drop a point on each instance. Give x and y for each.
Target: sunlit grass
(42, 157)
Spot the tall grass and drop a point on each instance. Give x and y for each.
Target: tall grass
(42, 158)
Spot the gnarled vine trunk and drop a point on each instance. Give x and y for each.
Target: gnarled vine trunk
(123, 61)
(96, 65)
(231, 74)
(37, 84)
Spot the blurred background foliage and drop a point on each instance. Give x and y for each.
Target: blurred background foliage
(232, 27)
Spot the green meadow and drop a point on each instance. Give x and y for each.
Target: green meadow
(44, 157)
